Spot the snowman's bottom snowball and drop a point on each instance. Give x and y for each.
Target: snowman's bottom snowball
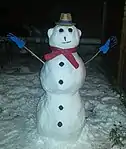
(72, 121)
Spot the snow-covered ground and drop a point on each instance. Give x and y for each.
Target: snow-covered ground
(20, 93)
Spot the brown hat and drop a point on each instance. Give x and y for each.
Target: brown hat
(65, 20)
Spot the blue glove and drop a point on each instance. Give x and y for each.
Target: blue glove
(20, 43)
(110, 43)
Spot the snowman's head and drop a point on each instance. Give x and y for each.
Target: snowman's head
(64, 36)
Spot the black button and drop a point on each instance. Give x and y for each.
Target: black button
(61, 107)
(59, 124)
(60, 81)
(61, 64)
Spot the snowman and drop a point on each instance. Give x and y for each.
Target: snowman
(60, 111)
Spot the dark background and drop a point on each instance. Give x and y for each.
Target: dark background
(87, 15)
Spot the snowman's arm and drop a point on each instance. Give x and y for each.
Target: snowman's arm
(21, 44)
(110, 43)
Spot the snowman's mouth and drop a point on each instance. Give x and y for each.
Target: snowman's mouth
(66, 42)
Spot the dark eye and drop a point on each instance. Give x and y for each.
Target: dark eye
(70, 29)
(61, 30)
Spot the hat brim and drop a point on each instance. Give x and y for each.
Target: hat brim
(65, 23)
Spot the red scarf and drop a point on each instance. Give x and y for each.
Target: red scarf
(66, 52)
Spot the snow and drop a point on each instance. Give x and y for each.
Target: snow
(19, 96)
